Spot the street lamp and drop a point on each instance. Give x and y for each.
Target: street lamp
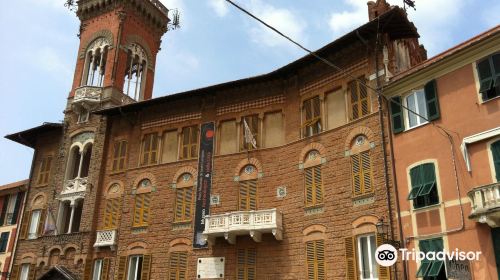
(383, 230)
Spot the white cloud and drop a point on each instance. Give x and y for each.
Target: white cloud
(344, 21)
(219, 6)
(437, 32)
(285, 20)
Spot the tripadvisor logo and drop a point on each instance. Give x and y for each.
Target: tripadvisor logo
(387, 255)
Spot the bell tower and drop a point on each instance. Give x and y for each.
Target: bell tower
(119, 41)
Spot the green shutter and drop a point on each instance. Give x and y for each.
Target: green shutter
(485, 76)
(424, 267)
(416, 182)
(495, 151)
(397, 120)
(432, 101)
(435, 268)
(428, 179)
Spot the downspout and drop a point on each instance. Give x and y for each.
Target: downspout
(396, 193)
(382, 134)
(21, 214)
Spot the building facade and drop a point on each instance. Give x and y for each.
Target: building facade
(445, 123)
(299, 172)
(11, 203)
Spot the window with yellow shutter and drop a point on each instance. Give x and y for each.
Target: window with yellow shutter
(183, 204)
(189, 143)
(149, 150)
(313, 186)
(246, 266)
(111, 213)
(361, 173)
(248, 195)
(311, 114)
(142, 203)
(359, 99)
(44, 172)
(119, 155)
(177, 266)
(315, 255)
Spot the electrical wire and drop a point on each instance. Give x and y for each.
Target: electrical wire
(324, 60)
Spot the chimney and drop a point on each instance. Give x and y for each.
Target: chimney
(376, 9)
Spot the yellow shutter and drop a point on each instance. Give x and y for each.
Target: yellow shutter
(41, 172)
(145, 208)
(116, 155)
(243, 199)
(146, 267)
(315, 259)
(105, 268)
(121, 270)
(123, 155)
(350, 258)
(178, 266)
(87, 270)
(364, 100)
(252, 195)
(318, 185)
(138, 209)
(251, 264)
(309, 183)
(320, 259)
(25, 224)
(41, 222)
(14, 274)
(366, 171)
(311, 263)
(246, 268)
(384, 272)
(240, 265)
(357, 188)
(353, 91)
(107, 214)
(188, 196)
(154, 149)
(179, 197)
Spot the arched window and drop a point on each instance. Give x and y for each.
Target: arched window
(69, 216)
(79, 162)
(247, 198)
(113, 206)
(95, 63)
(135, 72)
(184, 198)
(314, 239)
(142, 203)
(313, 179)
(361, 166)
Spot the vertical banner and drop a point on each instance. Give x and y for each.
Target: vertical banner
(204, 184)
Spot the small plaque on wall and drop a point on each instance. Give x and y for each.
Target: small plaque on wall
(210, 268)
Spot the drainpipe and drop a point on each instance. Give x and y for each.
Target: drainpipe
(384, 150)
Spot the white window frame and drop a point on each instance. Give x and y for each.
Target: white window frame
(136, 267)
(413, 94)
(34, 224)
(97, 271)
(25, 271)
(371, 265)
(10, 209)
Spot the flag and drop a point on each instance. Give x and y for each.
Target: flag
(249, 139)
(50, 223)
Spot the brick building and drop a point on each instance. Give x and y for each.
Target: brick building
(11, 204)
(447, 158)
(299, 173)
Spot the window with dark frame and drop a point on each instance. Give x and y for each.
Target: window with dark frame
(488, 71)
(423, 186)
(359, 98)
(149, 149)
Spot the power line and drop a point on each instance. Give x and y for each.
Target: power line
(324, 60)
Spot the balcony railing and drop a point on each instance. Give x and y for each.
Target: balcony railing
(87, 94)
(253, 223)
(105, 238)
(75, 186)
(485, 202)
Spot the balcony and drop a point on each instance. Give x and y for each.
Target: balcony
(74, 187)
(86, 98)
(485, 202)
(253, 223)
(105, 238)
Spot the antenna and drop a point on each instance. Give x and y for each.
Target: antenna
(410, 3)
(175, 22)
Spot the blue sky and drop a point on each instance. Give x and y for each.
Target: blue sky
(216, 43)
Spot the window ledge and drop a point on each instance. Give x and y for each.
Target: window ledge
(314, 209)
(486, 101)
(417, 126)
(139, 229)
(117, 172)
(181, 225)
(426, 208)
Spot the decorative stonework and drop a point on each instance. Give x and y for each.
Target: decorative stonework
(170, 120)
(252, 161)
(104, 33)
(259, 103)
(136, 39)
(360, 130)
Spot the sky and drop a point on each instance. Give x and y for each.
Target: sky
(216, 43)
